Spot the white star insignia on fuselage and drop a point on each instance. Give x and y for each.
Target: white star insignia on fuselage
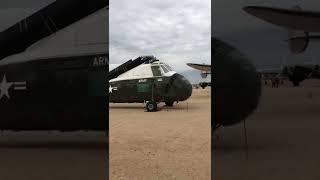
(112, 89)
(4, 88)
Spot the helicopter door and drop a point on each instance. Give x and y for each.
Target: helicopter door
(157, 82)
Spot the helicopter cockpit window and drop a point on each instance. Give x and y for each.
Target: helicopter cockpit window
(168, 67)
(156, 71)
(164, 69)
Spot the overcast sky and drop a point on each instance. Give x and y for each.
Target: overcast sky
(176, 32)
(262, 42)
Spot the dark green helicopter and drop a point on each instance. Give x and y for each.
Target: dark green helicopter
(147, 80)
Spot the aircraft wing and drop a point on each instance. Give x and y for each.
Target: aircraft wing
(201, 67)
(289, 18)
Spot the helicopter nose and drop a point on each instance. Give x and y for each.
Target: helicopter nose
(182, 87)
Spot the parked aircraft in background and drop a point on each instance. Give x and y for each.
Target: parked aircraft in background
(205, 71)
(295, 73)
(300, 24)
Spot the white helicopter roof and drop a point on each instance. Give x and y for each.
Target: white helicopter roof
(145, 71)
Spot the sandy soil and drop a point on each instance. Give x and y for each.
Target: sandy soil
(283, 138)
(52, 156)
(173, 143)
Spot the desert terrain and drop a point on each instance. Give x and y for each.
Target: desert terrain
(53, 155)
(172, 143)
(283, 138)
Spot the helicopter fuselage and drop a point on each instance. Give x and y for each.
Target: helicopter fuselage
(149, 82)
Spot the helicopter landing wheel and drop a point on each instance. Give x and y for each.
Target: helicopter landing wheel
(151, 106)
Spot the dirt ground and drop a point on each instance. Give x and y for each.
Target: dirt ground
(53, 155)
(283, 138)
(173, 143)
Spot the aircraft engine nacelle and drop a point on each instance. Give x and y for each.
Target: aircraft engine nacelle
(237, 86)
(298, 41)
(204, 75)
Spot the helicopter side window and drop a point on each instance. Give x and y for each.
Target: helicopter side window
(164, 69)
(156, 71)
